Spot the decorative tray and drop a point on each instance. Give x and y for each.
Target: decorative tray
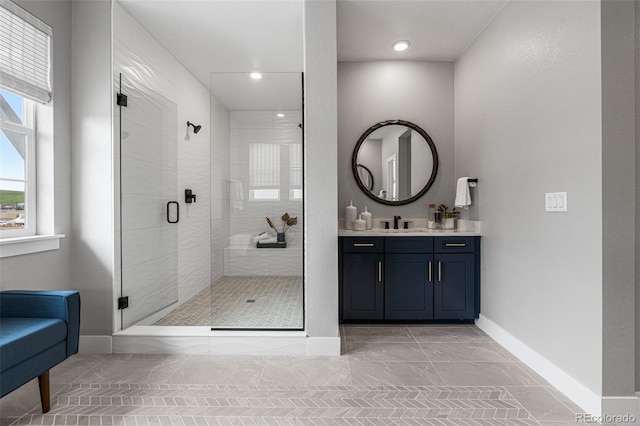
(271, 245)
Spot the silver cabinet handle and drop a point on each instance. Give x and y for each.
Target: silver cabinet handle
(379, 272)
(439, 271)
(363, 244)
(455, 244)
(430, 272)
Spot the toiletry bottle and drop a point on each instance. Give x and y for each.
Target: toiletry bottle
(368, 218)
(431, 217)
(350, 214)
(437, 222)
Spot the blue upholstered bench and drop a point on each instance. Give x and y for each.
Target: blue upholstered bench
(38, 330)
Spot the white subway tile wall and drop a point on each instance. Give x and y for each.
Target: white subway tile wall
(159, 259)
(265, 180)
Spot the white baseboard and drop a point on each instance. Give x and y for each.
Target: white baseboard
(202, 340)
(326, 346)
(95, 345)
(573, 389)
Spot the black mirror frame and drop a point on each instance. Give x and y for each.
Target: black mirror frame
(366, 169)
(355, 165)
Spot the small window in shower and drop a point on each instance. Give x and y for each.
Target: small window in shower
(264, 194)
(264, 171)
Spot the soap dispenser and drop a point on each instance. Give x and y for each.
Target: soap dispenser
(367, 217)
(350, 214)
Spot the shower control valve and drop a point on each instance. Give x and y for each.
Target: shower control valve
(189, 196)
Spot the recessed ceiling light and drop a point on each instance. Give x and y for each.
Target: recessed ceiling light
(401, 45)
(256, 75)
(280, 115)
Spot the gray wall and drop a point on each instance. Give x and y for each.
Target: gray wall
(93, 165)
(416, 91)
(320, 129)
(528, 121)
(618, 190)
(54, 267)
(637, 156)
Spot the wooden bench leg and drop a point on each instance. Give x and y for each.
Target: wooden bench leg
(43, 382)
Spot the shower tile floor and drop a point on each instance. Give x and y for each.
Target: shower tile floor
(403, 375)
(243, 302)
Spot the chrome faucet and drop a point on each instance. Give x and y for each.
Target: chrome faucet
(395, 221)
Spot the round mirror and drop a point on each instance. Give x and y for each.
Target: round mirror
(395, 162)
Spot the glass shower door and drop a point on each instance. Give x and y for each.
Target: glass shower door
(149, 211)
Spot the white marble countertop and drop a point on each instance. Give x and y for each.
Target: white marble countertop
(466, 228)
(419, 232)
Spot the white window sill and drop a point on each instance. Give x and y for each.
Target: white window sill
(26, 245)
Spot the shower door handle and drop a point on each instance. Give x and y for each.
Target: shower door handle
(177, 212)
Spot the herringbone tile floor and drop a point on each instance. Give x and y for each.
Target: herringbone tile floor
(388, 375)
(243, 302)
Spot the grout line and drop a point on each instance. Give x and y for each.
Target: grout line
(504, 388)
(91, 369)
(535, 377)
(264, 366)
(554, 394)
(430, 362)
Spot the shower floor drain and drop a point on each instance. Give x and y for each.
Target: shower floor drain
(251, 301)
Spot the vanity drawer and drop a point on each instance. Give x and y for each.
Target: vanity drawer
(363, 244)
(454, 244)
(409, 245)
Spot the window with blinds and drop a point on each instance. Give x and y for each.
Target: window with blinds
(264, 171)
(295, 171)
(25, 53)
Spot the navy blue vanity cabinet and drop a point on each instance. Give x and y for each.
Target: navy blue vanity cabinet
(362, 278)
(456, 286)
(408, 279)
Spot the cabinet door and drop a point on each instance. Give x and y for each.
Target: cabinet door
(362, 286)
(408, 286)
(454, 286)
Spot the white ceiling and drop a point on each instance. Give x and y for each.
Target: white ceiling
(226, 35)
(437, 29)
(240, 36)
(273, 92)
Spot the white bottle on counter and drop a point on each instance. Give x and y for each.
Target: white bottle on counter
(367, 217)
(359, 224)
(350, 214)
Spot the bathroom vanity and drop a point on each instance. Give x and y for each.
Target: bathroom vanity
(418, 276)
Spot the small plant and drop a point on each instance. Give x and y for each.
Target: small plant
(447, 214)
(287, 222)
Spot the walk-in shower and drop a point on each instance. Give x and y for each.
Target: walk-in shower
(260, 283)
(255, 228)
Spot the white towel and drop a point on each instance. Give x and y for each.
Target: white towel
(269, 240)
(262, 236)
(463, 194)
(236, 195)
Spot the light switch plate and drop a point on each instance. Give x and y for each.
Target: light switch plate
(555, 202)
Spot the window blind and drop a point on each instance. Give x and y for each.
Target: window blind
(25, 53)
(264, 164)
